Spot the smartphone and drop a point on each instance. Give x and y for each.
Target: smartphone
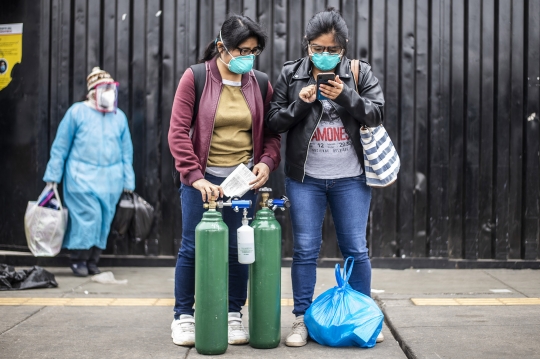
(323, 78)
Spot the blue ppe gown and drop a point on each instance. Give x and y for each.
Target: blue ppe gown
(93, 152)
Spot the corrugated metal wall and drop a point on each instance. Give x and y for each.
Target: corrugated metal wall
(462, 86)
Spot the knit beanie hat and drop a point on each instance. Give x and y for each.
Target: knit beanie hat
(98, 76)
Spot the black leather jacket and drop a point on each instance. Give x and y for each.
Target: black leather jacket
(289, 113)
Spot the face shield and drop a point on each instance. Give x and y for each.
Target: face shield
(106, 96)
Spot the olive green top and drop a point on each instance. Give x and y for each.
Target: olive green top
(231, 140)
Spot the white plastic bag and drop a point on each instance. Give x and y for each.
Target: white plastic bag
(45, 227)
(108, 278)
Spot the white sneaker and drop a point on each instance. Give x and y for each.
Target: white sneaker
(183, 330)
(298, 335)
(380, 337)
(237, 332)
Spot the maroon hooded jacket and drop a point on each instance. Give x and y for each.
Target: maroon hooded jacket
(190, 146)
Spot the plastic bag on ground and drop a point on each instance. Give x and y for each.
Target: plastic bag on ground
(33, 278)
(125, 209)
(142, 219)
(45, 227)
(107, 278)
(342, 316)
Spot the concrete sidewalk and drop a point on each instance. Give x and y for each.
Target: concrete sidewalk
(119, 329)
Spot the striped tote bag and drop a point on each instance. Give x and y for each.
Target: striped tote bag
(380, 157)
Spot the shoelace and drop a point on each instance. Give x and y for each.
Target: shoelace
(236, 325)
(187, 327)
(298, 328)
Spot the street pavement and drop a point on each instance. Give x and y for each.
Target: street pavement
(85, 319)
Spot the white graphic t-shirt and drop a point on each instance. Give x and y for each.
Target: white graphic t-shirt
(331, 154)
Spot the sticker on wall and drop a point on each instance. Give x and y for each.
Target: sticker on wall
(10, 51)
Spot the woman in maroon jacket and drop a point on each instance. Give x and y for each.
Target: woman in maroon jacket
(228, 130)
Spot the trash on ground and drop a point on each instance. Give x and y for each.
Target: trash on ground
(343, 317)
(500, 290)
(33, 278)
(108, 278)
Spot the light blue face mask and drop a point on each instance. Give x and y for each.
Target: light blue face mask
(2, 68)
(325, 61)
(240, 64)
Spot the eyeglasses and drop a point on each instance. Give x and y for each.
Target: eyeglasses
(244, 51)
(318, 49)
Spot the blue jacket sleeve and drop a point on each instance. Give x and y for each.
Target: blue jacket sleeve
(127, 158)
(60, 148)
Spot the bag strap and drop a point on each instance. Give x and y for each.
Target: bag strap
(199, 74)
(355, 68)
(339, 280)
(61, 208)
(199, 77)
(347, 270)
(346, 277)
(262, 80)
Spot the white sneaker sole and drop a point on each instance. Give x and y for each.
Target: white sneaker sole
(238, 341)
(295, 344)
(184, 343)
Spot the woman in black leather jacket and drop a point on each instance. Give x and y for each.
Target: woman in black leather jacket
(324, 158)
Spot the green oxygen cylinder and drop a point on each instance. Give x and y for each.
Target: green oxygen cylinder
(265, 276)
(211, 282)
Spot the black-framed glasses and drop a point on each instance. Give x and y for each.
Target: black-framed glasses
(244, 51)
(318, 49)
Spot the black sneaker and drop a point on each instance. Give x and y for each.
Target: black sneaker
(92, 268)
(79, 269)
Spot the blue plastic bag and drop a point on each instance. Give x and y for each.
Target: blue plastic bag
(342, 317)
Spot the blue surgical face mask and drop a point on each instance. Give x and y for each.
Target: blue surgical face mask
(2, 68)
(240, 64)
(325, 61)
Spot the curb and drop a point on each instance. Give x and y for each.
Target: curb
(407, 350)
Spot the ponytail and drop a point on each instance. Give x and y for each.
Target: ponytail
(210, 52)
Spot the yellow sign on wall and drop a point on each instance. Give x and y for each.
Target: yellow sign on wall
(10, 51)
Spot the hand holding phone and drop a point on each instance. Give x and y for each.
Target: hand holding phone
(323, 78)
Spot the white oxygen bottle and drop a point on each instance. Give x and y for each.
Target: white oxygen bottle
(245, 242)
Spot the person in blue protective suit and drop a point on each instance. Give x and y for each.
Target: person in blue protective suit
(93, 152)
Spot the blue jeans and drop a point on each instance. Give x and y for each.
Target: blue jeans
(184, 284)
(349, 200)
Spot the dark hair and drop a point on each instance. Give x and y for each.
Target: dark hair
(234, 31)
(326, 22)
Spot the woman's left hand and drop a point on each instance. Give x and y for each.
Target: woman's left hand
(332, 90)
(262, 171)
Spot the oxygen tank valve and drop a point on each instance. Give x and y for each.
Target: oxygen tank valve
(265, 196)
(273, 203)
(245, 219)
(212, 204)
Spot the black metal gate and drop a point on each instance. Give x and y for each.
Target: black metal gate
(462, 86)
